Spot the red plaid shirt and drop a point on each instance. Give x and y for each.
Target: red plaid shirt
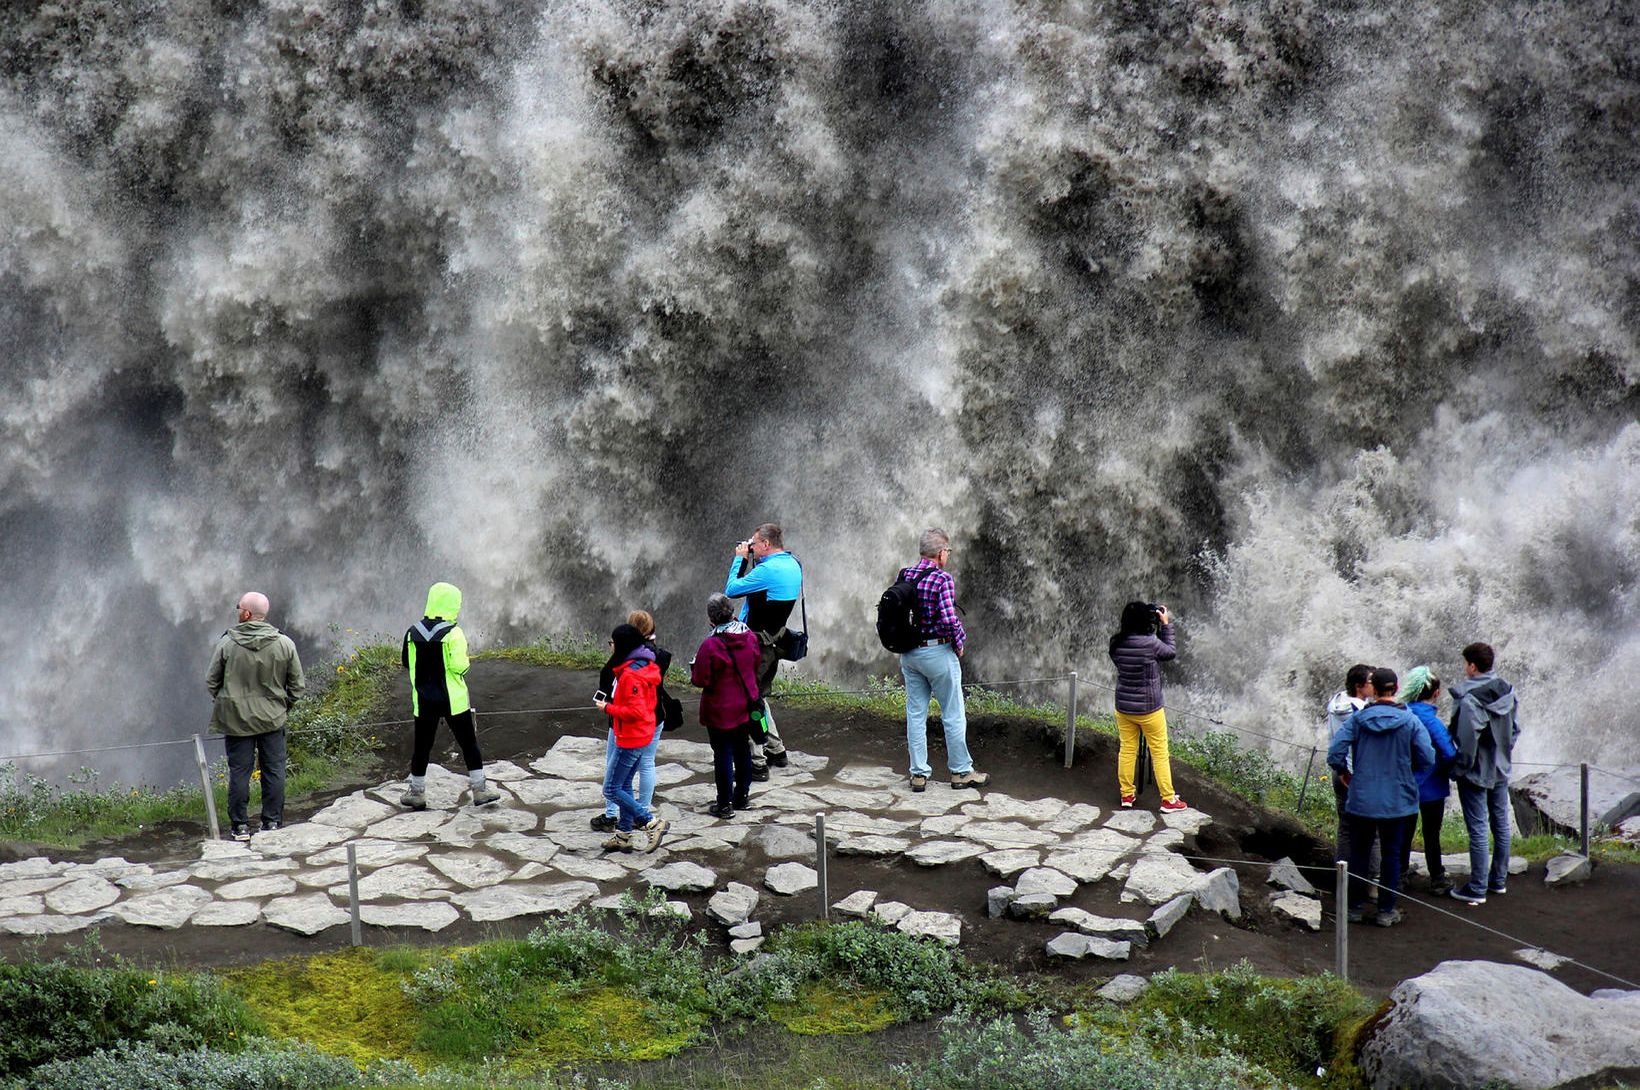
(936, 602)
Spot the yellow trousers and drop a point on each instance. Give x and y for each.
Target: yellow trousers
(1154, 727)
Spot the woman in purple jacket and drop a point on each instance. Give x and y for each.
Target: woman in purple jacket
(726, 668)
(1138, 649)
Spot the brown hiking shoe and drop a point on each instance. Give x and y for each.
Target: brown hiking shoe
(970, 778)
(620, 842)
(656, 829)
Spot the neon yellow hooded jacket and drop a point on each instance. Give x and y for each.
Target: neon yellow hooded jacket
(435, 653)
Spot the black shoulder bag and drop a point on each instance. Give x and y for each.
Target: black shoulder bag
(794, 642)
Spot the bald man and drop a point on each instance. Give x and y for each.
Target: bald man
(254, 679)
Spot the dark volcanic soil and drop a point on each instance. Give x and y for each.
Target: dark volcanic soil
(1595, 924)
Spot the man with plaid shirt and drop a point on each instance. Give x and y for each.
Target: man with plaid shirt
(935, 667)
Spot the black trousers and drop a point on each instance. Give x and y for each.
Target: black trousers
(244, 753)
(461, 726)
(1431, 814)
(1365, 833)
(1374, 862)
(731, 764)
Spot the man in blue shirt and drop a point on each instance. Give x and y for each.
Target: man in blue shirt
(771, 581)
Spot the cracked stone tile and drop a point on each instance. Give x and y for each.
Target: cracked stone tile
(82, 895)
(937, 853)
(269, 885)
(505, 902)
(168, 908)
(425, 915)
(872, 845)
(353, 812)
(471, 870)
(229, 869)
(51, 924)
(1010, 861)
(370, 853)
(1007, 834)
(304, 913)
(1072, 819)
(996, 806)
(1132, 822)
(868, 776)
(226, 914)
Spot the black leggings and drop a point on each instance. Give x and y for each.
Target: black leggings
(731, 764)
(460, 725)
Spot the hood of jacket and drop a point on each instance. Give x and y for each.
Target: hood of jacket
(641, 655)
(443, 602)
(1342, 705)
(1495, 695)
(1380, 718)
(253, 634)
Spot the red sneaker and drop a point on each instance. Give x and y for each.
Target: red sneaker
(1128, 801)
(1174, 805)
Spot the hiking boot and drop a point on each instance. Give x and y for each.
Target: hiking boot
(760, 774)
(919, 782)
(603, 823)
(270, 826)
(1464, 894)
(778, 760)
(1390, 918)
(721, 809)
(1440, 887)
(241, 832)
(620, 842)
(1356, 914)
(1174, 805)
(970, 779)
(1128, 801)
(414, 798)
(484, 794)
(742, 803)
(656, 829)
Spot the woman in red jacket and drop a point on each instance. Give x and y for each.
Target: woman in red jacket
(726, 668)
(631, 709)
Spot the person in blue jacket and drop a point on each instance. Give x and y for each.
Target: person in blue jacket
(1419, 692)
(1387, 747)
(771, 581)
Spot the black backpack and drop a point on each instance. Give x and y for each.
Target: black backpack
(898, 625)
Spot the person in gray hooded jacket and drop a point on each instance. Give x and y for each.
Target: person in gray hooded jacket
(254, 678)
(1484, 728)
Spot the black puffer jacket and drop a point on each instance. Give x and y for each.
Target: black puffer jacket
(1138, 661)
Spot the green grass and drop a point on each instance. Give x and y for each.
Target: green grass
(565, 652)
(328, 742)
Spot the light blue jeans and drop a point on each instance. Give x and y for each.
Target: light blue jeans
(935, 671)
(1483, 806)
(646, 770)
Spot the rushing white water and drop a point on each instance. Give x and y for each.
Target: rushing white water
(1317, 321)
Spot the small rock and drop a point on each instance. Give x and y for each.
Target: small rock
(1045, 880)
(935, 853)
(425, 915)
(268, 885)
(1541, 959)
(1124, 988)
(1220, 891)
(856, 904)
(997, 900)
(751, 929)
(82, 895)
(1010, 861)
(1132, 822)
(1073, 944)
(675, 910)
(1032, 906)
(305, 913)
(732, 905)
(1286, 875)
(168, 908)
(1166, 917)
(1104, 927)
(745, 946)
(940, 926)
(1567, 869)
(680, 877)
(1296, 907)
(891, 912)
(787, 879)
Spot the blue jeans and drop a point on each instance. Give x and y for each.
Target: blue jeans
(618, 789)
(646, 770)
(1483, 806)
(935, 671)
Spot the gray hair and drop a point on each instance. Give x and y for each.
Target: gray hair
(932, 541)
(719, 609)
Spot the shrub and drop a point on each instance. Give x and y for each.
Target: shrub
(262, 1066)
(57, 1010)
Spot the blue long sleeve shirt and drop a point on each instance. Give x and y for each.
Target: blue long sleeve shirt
(771, 587)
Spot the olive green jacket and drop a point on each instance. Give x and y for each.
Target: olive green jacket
(255, 677)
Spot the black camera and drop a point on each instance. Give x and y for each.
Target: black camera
(1154, 608)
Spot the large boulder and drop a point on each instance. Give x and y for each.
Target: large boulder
(1469, 1023)
(1613, 796)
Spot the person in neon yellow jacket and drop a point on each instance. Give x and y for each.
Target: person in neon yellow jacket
(435, 653)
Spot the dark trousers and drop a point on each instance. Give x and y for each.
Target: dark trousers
(731, 764)
(461, 726)
(1431, 815)
(267, 750)
(1388, 833)
(1342, 855)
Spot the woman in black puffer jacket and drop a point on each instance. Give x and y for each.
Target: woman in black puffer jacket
(1138, 649)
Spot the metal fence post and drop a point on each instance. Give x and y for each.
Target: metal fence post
(1070, 723)
(353, 892)
(820, 865)
(1304, 788)
(1341, 896)
(205, 786)
(1583, 806)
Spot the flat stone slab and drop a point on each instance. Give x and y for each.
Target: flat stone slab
(1074, 944)
(996, 806)
(472, 870)
(890, 912)
(505, 902)
(1164, 840)
(167, 909)
(596, 870)
(267, 885)
(323, 878)
(1007, 834)
(1220, 891)
(937, 853)
(1131, 822)
(1123, 988)
(1168, 915)
(787, 879)
(410, 881)
(504, 772)
(112, 868)
(22, 887)
(553, 792)
(1010, 861)
(304, 913)
(1156, 880)
(873, 846)
(1105, 927)
(749, 930)
(856, 904)
(682, 877)
(1031, 906)
(353, 812)
(1082, 864)
(1569, 869)
(429, 916)
(674, 910)
(49, 924)
(1294, 906)
(36, 867)
(802, 762)
(745, 946)
(1541, 959)
(224, 870)
(370, 854)
(784, 798)
(1189, 822)
(410, 825)
(1072, 819)
(536, 849)
(869, 776)
(573, 762)
(82, 895)
(681, 749)
(1286, 875)
(938, 799)
(31, 904)
(784, 842)
(226, 914)
(944, 825)
(1045, 880)
(943, 927)
(733, 905)
(145, 883)
(850, 822)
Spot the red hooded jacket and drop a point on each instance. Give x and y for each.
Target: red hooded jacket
(631, 706)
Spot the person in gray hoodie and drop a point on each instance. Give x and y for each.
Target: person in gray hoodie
(1381, 748)
(1355, 695)
(254, 678)
(1485, 725)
